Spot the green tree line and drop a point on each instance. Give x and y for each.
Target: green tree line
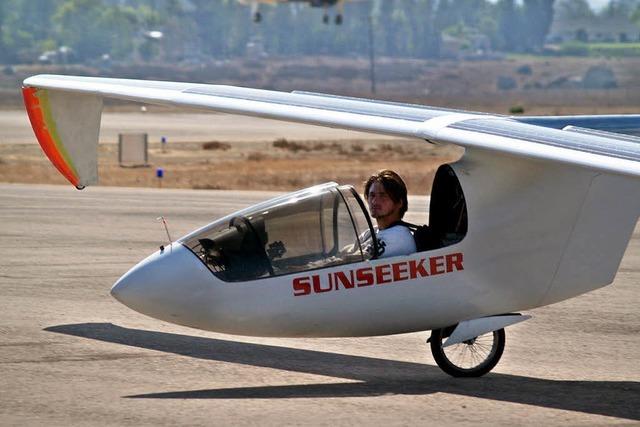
(129, 30)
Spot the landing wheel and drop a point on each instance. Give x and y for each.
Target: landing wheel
(471, 358)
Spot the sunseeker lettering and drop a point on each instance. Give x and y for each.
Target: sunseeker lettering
(382, 274)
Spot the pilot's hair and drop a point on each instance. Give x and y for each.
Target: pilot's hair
(393, 185)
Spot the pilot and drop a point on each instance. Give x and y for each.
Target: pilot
(386, 195)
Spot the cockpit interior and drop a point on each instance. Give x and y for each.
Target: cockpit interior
(321, 226)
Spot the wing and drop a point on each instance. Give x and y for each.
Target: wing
(65, 114)
(622, 123)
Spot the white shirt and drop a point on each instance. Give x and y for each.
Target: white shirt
(394, 241)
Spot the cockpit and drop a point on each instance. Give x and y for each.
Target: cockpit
(322, 226)
(318, 227)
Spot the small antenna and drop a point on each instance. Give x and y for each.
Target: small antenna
(166, 228)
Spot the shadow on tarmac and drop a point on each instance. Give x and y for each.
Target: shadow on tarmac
(376, 376)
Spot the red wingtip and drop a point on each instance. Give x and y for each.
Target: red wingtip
(40, 128)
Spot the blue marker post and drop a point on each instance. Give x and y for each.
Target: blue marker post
(159, 175)
(163, 142)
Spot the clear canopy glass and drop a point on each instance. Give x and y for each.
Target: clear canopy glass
(321, 226)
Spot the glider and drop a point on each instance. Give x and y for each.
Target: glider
(537, 210)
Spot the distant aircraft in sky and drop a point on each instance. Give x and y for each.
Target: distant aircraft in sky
(326, 4)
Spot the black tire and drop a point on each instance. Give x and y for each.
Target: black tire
(482, 352)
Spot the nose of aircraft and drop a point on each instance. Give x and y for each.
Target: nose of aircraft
(171, 285)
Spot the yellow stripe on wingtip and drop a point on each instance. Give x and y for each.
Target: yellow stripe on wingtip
(43, 95)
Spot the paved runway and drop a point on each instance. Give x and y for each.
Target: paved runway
(193, 127)
(72, 355)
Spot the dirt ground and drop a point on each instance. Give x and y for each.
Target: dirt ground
(258, 166)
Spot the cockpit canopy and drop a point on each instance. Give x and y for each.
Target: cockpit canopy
(321, 226)
(318, 227)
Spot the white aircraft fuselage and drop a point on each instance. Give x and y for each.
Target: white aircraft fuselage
(530, 243)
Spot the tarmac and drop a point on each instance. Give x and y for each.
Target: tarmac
(72, 355)
(182, 127)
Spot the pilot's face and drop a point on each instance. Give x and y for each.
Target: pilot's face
(381, 205)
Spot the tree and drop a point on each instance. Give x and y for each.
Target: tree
(635, 16)
(508, 26)
(93, 28)
(538, 16)
(3, 51)
(425, 35)
(25, 28)
(574, 10)
(619, 9)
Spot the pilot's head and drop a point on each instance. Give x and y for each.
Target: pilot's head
(386, 195)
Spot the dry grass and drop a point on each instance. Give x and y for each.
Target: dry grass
(292, 146)
(216, 145)
(254, 166)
